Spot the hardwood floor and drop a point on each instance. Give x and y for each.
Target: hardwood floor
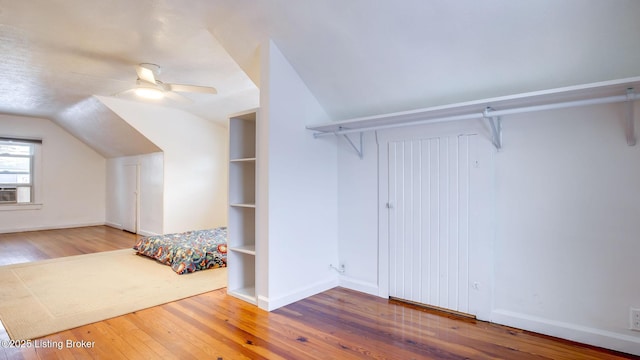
(337, 324)
(40, 245)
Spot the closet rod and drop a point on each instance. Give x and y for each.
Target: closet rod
(491, 113)
(564, 105)
(390, 126)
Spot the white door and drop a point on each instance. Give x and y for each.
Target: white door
(130, 199)
(429, 206)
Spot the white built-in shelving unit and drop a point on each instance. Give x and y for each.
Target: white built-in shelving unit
(242, 206)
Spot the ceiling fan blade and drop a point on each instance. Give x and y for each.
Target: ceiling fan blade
(192, 88)
(145, 74)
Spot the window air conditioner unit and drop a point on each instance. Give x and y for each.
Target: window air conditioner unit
(8, 195)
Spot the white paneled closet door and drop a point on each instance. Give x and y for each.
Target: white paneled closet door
(130, 198)
(429, 206)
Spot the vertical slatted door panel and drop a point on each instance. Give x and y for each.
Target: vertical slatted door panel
(429, 221)
(396, 252)
(432, 227)
(414, 240)
(464, 197)
(446, 211)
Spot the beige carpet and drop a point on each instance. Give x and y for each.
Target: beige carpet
(44, 297)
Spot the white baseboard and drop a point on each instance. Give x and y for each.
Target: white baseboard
(359, 285)
(113, 225)
(49, 227)
(601, 338)
(270, 304)
(140, 231)
(146, 233)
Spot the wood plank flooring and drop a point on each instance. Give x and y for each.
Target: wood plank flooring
(40, 245)
(337, 324)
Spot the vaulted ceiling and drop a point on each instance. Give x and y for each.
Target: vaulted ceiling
(364, 57)
(359, 57)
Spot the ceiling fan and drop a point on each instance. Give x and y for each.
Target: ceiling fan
(148, 86)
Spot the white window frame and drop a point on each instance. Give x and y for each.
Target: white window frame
(35, 174)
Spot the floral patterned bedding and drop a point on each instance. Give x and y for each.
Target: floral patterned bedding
(188, 251)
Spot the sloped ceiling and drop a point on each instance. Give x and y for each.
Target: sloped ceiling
(359, 57)
(57, 55)
(363, 57)
(94, 123)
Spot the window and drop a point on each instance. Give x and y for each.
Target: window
(17, 158)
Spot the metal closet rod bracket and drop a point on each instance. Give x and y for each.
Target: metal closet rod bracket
(630, 130)
(496, 127)
(359, 149)
(344, 131)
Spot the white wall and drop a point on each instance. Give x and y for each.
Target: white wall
(567, 201)
(72, 176)
(297, 204)
(151, 189)
(358, 213)
(567, 244)
(195, 163)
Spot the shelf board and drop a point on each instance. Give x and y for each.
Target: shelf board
(475, 109)
(243, 205)
(250, 159)
(247, 294)
(246, 249)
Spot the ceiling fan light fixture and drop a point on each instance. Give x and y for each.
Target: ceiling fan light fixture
(149, 93)
(148, 86)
